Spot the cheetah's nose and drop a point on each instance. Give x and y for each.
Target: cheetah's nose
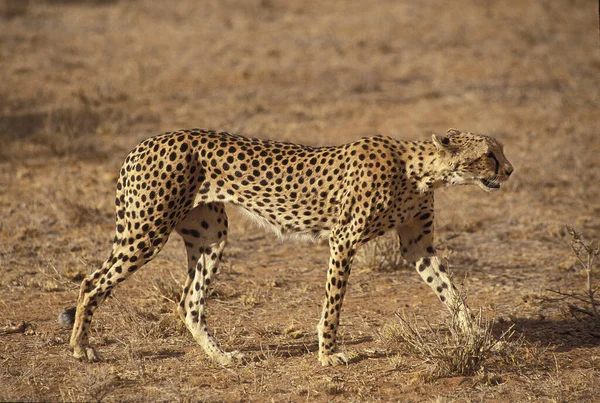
(509, 171)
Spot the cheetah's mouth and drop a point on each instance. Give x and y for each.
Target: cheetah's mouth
(489, 185)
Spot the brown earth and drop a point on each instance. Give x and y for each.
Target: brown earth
(83, 81)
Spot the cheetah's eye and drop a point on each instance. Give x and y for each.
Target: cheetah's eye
(490, 155)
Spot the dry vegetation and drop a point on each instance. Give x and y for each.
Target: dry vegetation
(382, 253)
(585, 253)
(84, 81)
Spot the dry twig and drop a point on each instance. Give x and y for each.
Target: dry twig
(586, 253)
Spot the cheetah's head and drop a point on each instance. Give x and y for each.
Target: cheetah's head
(473, 159)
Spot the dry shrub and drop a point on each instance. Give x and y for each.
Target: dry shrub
(268, 356)
(382, 253)
(168, 288)
(75, 273)
(447, 350)
(50, 279)
(585, 253)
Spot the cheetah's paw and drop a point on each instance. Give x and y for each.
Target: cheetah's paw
(333, 359)
(231, 358)
(86, 354)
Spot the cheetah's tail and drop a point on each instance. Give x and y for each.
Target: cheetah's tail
(67, 317)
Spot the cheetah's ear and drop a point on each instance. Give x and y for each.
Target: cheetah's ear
(442, 143)
(453, 132)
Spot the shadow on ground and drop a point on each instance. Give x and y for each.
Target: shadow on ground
(565, 335)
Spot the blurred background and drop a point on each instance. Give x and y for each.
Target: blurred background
(83, 81)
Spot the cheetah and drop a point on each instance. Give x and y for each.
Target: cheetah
(349, 194)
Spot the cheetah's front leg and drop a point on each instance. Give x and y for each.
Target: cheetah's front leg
(341, 254)
(416, 241)
(434, 273)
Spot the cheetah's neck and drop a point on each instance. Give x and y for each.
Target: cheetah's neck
(423, 166)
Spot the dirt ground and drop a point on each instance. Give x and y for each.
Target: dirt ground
(83, 81)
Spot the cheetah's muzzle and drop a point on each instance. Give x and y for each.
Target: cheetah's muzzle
(490, 184)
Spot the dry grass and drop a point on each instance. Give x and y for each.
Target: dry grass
(584, 253)
(449, 351)
(168, 288)
(97, 386)
(381, 254)
(144, 321)
(487, 358)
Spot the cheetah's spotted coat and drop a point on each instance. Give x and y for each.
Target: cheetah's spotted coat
(349, 193)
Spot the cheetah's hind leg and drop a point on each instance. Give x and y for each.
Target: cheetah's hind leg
(204, 231)
(122, 262)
